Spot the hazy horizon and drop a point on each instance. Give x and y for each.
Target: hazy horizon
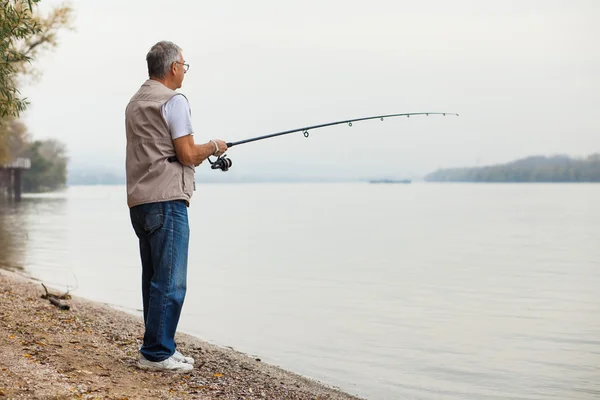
(98, 175)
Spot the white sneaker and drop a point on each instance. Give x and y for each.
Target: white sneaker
(181, 358)
(169, 365)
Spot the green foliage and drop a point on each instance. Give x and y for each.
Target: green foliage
(24, 33)
(531, 169)
(17, 23)
(48, 166)
(13, 139)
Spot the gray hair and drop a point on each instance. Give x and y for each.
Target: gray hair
(160, 58)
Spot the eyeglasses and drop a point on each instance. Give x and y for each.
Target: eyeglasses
(185, 66)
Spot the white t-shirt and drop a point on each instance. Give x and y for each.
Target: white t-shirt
(178, 115)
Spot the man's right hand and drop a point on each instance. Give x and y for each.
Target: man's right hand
(222, 147)
(190, 154)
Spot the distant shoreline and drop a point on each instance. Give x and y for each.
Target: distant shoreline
(536, 169)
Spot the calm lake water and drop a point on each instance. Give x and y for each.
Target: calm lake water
(420, 291)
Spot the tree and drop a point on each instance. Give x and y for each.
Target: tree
(48, 166)
(16, 24)
(24, 33)
(45, 38)
(14, 138)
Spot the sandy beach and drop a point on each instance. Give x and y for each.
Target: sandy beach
(89, 352)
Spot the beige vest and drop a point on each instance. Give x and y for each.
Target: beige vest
(150, 176)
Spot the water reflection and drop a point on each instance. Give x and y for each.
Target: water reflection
(20, 220)
(12, 236)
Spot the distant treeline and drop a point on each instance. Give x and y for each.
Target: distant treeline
(94, 177)
(530, 169)
(48, 166)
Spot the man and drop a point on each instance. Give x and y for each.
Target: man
(159, 188)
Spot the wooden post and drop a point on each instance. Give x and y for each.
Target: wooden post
(3, 181)
(17, 184)
(9, 183)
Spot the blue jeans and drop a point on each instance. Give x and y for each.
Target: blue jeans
(164, 233)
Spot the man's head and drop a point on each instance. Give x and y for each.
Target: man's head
(166, 64)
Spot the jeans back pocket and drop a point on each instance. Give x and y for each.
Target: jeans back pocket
(154, 217)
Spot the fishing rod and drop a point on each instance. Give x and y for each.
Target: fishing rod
(223, 163)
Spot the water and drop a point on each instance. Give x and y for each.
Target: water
(421, 291)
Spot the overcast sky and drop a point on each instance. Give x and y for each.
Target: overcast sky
(523, 75)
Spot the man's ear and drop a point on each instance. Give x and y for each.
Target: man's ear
(173, 68)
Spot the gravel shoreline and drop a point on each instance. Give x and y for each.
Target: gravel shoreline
(89, 352)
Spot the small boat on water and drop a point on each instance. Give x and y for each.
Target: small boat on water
(390, 181)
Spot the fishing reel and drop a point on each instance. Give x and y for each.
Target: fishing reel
(223, 163)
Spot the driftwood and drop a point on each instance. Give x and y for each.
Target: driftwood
(54, 299)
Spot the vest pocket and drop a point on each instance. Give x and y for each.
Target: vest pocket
(189, 183)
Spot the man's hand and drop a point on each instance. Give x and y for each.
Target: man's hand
(189, 153)
(222, 147)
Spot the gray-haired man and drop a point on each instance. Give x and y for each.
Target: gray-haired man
(158, 126)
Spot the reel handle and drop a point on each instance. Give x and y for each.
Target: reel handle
(223, 163)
